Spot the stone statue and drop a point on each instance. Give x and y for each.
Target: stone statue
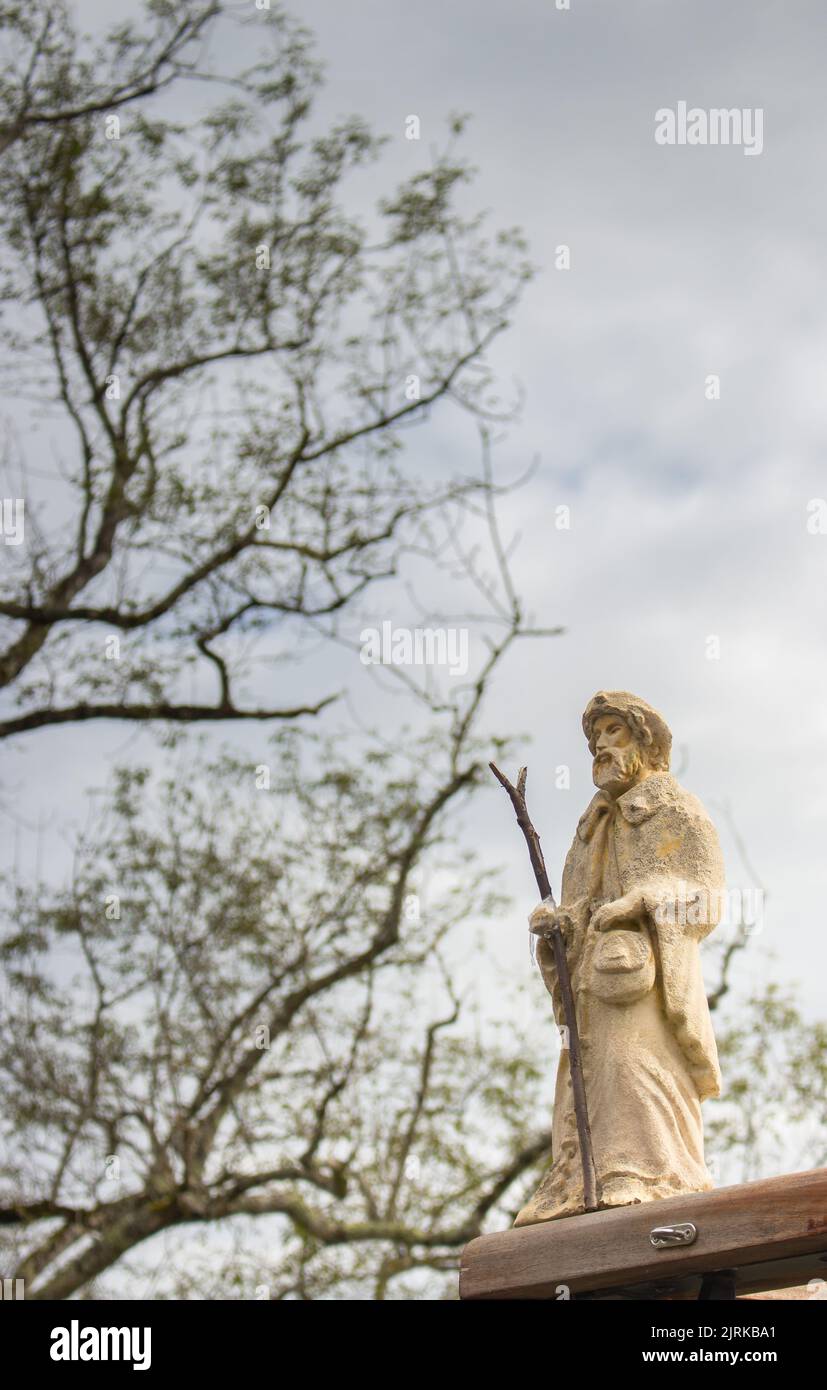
(643, 884)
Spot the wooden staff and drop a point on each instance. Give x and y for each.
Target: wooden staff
(558, 946)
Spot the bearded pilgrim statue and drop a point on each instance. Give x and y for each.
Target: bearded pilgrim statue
(643, 884)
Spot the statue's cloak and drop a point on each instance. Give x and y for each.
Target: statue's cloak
(667, 849)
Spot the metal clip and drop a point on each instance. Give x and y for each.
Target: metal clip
(662, 1237)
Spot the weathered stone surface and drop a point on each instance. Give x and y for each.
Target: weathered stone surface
(643, 884)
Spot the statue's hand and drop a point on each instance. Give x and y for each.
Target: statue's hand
(629, 908)
(544, 917)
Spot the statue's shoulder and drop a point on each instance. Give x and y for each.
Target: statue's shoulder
(660, 792)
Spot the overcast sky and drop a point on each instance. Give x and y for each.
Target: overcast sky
(688, 515)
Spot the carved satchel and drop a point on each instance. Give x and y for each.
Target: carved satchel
(623, 964)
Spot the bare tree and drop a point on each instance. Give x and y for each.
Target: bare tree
(201, 1018)
(44, 84)
(236, 357)
(261, 1018)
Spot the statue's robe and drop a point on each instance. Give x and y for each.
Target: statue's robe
(649, 1054)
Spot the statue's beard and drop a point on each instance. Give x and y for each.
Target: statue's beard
(617, 767)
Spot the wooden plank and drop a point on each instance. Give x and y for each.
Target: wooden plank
(764, 1224)
(752, 1280)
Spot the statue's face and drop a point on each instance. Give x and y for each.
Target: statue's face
(618, 762)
